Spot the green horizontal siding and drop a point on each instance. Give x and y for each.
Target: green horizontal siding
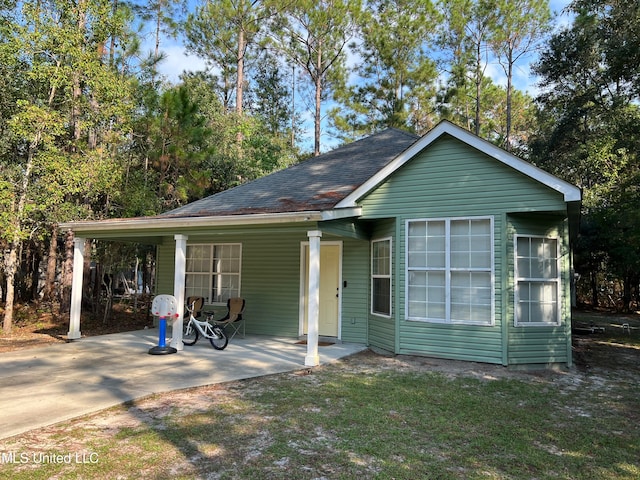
(382, 330)
(270, 279)
(540, 344)
(451, 179)
(382, 333)
(460, 342)
(355, 272)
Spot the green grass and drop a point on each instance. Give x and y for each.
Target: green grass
(347, 422)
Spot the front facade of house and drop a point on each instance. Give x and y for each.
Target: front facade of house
(453, 249)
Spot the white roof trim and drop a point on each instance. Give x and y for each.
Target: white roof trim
(173, 223)
(570, 192)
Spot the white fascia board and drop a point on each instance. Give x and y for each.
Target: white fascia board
(570, 192)
(337, 214)
(171, 223)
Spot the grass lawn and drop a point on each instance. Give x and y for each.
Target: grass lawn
(366, 417)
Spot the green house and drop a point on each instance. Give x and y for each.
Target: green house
(444, 246)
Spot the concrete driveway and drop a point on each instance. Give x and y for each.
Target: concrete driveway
(47, 385)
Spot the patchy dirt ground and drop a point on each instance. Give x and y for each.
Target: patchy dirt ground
(602, 365)
(38, 326)
(612, 354)
(603, 361)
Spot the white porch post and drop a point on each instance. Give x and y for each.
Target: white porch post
(313, 313)
(76, 289)
(178, 289)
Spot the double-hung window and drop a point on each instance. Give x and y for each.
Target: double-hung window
(537, 281)
(213, 271)
(381, 277)
(450, 276)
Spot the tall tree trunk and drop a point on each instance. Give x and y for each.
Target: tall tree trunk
(478, 86)
(627, 282)
(10, 268)
(594, 288)
(112, 43)
(317, 117)
(50, 278)
(239, 85)
(67, 276)
(12, 256)
(507, 140)
(240, 71)
(35, 258)
(86, 276)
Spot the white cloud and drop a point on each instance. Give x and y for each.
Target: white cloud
(177, 61)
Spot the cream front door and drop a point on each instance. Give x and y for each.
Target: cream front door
(328, 322)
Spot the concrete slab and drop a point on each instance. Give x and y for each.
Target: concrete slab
(47, 385)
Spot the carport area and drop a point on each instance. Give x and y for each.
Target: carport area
(43, 386)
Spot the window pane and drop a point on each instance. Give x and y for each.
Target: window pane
(459, 244)
(226, 258)
(225, 287)
(381, 257)
(427, 295)
(471, 296)
(417, 251)
(197, 285)
(537, 300)
(417, 309)
(480, 260)
(436, 228)
(417, 229)
(460, 227)
(481, 227)
(524, 267)
(198, 258)
(382, 295)
(459, 250)
(522, 245)
(213, 271)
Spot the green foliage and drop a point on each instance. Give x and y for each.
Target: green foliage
(314, 36)
(589, 131)
(396, 75)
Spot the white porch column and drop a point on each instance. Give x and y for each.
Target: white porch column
(76, 289)
(313, 313)
(178, 289)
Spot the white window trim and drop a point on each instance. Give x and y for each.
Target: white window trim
(211, 273)
(517, 279)
(447, 269)
(390, 277)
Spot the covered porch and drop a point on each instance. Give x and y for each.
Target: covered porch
(282, 289)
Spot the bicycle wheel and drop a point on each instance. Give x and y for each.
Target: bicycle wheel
(218, 340)
(189, 333)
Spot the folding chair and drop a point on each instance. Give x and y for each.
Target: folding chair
(233, 319)
(194, 304)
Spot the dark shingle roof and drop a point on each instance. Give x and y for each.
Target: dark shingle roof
(316, 184)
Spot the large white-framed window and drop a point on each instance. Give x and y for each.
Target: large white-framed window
(213, 271)
(450, 270)
(537, 280)
(381, 277)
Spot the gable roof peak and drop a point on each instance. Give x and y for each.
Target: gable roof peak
(570, 192)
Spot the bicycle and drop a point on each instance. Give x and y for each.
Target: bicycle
(194, 328)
